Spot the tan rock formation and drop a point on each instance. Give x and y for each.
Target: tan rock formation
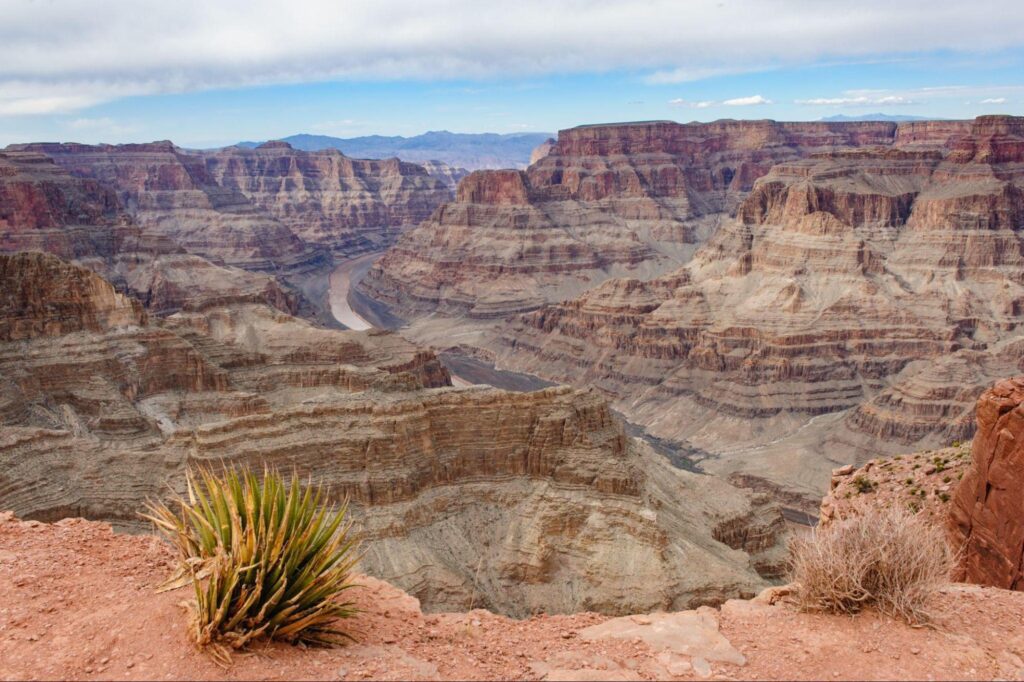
(45, 208)
(613, 200)
(859, 303)
(987, 519)
(513, 501)
(170, 193)
(349, 206)
(542, 150)
(449, 175)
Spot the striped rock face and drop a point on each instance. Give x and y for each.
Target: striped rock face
(518, 502)
(987, 519)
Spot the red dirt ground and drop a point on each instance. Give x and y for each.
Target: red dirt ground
(77, 602)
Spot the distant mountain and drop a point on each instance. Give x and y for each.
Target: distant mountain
(840, 118)
(466, 150)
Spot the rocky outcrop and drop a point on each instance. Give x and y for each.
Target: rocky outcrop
(859, 303)
(171, 193)
(604, 201)
(987, 519)
(45, 208)
(349, 206)
(511, 501)
(542, 150)
(449, 175)
(41, 296)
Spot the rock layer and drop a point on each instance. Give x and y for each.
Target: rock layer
(349, 206)
(513, 501)
(602, 201)
(987, 519)
(45, 208)
(171, 193)
(861, 301)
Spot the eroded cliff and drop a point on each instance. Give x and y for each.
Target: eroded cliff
(612, 200)
(513, 501)
(859, 303)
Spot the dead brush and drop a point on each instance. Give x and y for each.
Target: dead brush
(266, 559)
(887, 559)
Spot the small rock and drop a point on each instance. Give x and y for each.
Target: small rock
(641, 619)
(701, 667)
(678, 668)
(843, 470)
(915, 650)
(568, 635)
(342, 673)
(476, 622)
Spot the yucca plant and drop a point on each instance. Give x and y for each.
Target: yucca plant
(265, 557)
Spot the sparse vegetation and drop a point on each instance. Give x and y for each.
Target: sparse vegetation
(885, 558)
(266, 558)
(863, 485)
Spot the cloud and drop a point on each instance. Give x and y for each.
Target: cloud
(74, 54)
(861, 101)
(734, 102)
(680, 102)
(872, 98)
(753, 100)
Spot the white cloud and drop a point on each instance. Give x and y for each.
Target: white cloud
(753, 100)
(861, 101)
(872, 98)
(69, 55)
(680, 102)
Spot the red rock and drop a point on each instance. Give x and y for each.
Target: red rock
(987, 519)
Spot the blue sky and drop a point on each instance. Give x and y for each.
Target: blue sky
(79, 71)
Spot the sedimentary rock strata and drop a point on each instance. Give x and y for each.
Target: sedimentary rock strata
(987, 519)
(349, 206)
(449, 175)
(269, 208)
(859, 302)
(513, 501)
(171, 193)
(626, 199)
(45, 208)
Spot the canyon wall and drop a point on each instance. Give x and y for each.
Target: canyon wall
(45, 208)
(987, 519)
(171, 193)
(859, 303)
(349, 206)
(513, 501)
(603, 201)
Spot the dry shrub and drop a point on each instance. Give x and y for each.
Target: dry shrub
(883, 558)
(266, 558)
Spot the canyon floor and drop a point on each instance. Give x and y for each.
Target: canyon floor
(77, 602)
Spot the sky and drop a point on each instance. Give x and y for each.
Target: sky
(208, 73)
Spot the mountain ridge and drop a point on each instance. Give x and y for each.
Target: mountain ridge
(472, 151)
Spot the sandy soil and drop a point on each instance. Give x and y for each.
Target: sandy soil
(77, 602)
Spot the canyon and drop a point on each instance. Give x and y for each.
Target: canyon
(776, 298)
(761, 301)
(516, 502)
